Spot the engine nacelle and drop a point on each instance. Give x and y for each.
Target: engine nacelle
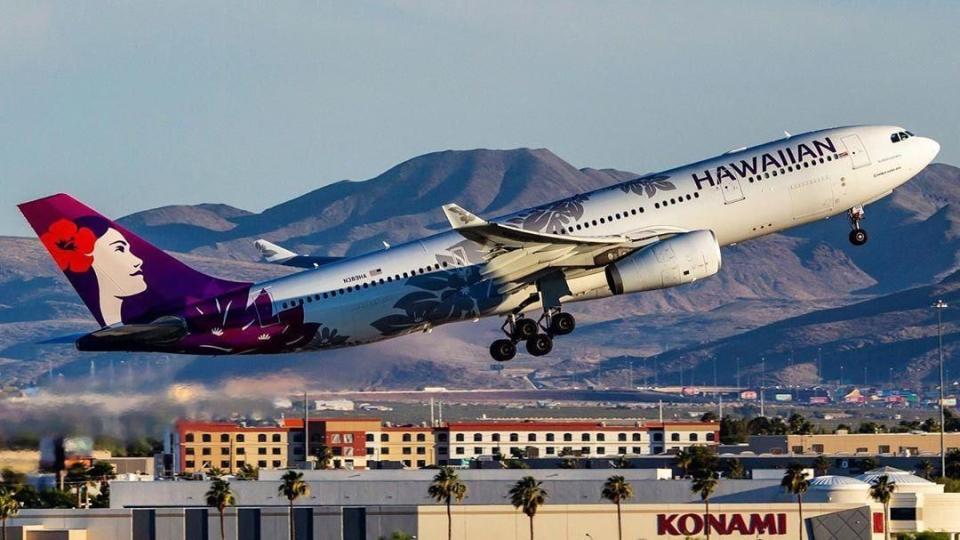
(683, 258)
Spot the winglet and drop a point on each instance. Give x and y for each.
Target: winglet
(460, 218)
(272, 252)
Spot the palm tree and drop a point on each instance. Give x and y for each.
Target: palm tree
(528, 495)
(220, 497)
(795, 481)
(324, 456)
(293, 487)
(616, 490)
(684, 459)
(821, 465)
(926, 469)
(704, 484)
(881, 490)
(9, 507)
(446, 488)
(248, 472)
(77, 476)
(736, 472)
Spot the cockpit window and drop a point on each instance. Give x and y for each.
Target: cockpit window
(900, 136)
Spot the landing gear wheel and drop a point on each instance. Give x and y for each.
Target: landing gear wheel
(858, 237)
(562, 324)
(524, 329)
(502, 350)
(540, 345)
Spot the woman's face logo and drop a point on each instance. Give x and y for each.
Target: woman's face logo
(118, 269)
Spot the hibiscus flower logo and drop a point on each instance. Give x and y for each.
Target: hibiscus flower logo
(648, 185)
(70, 246)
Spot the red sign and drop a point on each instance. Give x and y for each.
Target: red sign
(721, 524)
(878, 522)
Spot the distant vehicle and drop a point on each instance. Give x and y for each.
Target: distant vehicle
(656, 231)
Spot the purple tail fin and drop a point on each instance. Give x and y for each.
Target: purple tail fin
(120, 277)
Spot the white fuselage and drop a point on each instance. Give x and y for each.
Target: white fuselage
(739, 195)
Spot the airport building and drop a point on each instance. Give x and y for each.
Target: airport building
(374, 504)
(360, 443)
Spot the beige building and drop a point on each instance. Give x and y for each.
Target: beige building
(413, 446)
(867, 444)
(199, 446)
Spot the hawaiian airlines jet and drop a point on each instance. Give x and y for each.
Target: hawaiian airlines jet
(657, 231)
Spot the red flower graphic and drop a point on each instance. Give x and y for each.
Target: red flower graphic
(70, 246)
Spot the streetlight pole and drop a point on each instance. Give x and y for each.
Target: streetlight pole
(940, 305)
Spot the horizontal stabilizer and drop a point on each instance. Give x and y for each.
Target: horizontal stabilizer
(274, 254)
(135, 337)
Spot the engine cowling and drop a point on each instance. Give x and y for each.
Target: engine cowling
(681, 259)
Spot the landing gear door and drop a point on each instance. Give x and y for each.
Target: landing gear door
(731, 190)
(856, 151)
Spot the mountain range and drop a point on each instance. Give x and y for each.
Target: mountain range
(787, 299)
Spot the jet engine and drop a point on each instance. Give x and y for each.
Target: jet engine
(680, 259)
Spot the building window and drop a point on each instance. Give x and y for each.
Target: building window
(206, 437)
(903, 514)
(459, 437)
(441, 449)
(495, 437)
(240, 437)
(585, 450)
(406, 437)
(459, 450)
(262, 437)
(796, 449)
(622, 450)
(567, 437)
(585, 437)
(477, 437)
(550, 437)
(658, 437)
(601, 437)
(406, 463)
(188, 437)
(421, 450)
(637, 450)
(421, 463)
(549, 450)
(262, 451)
(636, 437)
(406, 450)
(224, 464)
(276, 437)
(370, 437)
(224, 451)
(224, 437)
(477, 450)
(621, 436)
(674, 436)
(385, 451)
(818, 448)
(241, 451)
(442, 437)
(711, 436)
(276, 451)
(384, 437)
(205, 451)
(693, 437)
(276, 464)
(601, 450)
(514, 437)
(261, 463)
(297, 437)
(190, 451)
(189, 464)
(531, 437)
(421, 437)
(240, 464)
(884, 449)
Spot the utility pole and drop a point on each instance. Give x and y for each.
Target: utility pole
(714, 373)
(819, 365)
(940, 306)
(433, 422)
(306, 429)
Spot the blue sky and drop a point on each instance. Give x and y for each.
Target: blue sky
(131, 105)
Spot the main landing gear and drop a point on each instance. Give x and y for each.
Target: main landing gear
(538, 335)
(858, 236)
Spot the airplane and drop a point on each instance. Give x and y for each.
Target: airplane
(652, 232)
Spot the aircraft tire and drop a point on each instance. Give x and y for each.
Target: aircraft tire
(562, 324)
(525, 329)
(858, 237)
(503, 350)
(540, 345)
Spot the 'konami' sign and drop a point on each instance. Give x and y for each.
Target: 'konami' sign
(721, 524)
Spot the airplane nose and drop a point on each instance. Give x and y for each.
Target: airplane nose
(929, 149)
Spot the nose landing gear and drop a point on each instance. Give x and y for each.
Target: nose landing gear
(537, 335)
(858, 236)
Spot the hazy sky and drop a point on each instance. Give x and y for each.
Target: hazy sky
(135, 105)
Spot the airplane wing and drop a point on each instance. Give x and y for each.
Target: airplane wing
(272, 253)
(517, 257)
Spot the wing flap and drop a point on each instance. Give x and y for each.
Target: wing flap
(134, 337)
